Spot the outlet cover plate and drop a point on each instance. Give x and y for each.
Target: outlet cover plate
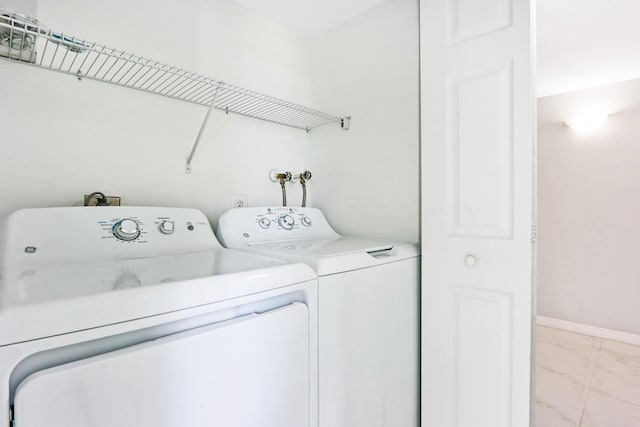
(239, 200)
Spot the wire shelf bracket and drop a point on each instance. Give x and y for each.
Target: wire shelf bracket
(26, 41)
(199, 137)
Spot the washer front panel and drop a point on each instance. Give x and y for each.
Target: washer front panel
(264, 366)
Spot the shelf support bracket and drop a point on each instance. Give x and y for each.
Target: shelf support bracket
(204, 125)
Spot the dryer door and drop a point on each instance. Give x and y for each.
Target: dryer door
(249, 371)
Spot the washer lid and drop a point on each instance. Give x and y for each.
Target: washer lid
(21, 285)
(324, 247)
(61, 298)
(337, 255)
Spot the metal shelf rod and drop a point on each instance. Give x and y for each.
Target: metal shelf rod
(199, 137)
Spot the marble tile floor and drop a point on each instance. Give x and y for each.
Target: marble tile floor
(583, 381)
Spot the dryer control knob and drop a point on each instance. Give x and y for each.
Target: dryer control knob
(286, 222)
(306, 221)
(264, 222)
(167, 227)
(126, 229)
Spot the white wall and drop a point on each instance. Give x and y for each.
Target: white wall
(62, 138)
(589, 210)
(27, 7)
(367, 179)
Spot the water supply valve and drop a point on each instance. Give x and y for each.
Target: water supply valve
(306, 175)
(282, 178)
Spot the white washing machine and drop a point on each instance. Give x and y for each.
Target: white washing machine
(368, 305)
(136, 316)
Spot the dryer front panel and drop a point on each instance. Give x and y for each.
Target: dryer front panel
(248, 371)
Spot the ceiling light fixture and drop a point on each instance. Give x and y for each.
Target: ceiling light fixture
(588, 121)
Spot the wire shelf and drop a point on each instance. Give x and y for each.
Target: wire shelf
(25, 40)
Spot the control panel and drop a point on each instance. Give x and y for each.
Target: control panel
(135, 228)
(283, 218)
(258, 225)
(36, 236)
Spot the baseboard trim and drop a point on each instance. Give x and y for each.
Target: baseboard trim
(593, 331)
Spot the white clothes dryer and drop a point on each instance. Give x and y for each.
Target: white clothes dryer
(136, 316)
(368, 305)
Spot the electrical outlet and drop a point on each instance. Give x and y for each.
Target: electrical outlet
(239, 200)
(112, 200)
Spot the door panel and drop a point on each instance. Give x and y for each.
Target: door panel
(471, 18)
(479, 138)
(482, 339)
(250, 371)
(477, 169)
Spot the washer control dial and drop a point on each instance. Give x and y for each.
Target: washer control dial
(306, 221)
(126, 229)
(264, 222)
(167, 227)
(286, 222)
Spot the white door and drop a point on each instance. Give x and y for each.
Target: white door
(247, 372)
(477, 211)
